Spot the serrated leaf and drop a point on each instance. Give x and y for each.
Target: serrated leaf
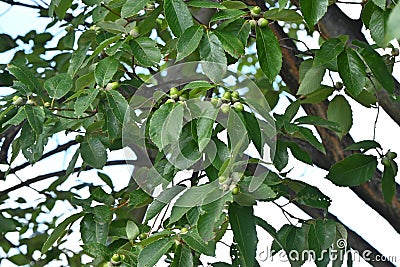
(287, 15)
(132, 7)
(205, 4)
(132, 230)
(24, 75)
(377, 65)
(59, 231)
(377, 27)
(313, 10)
(311, 81)
(162, 200)
(59, 85)
(83, 101)
(380, 3)
(269, 52)
(94, 153)
(205, 124)
(243, 224)
(339, 111)
(308, 135)
(193, 240)
(210, 213)
(118, 104)
(213, 54)
(152, 253)
(352, 71)
(353, 170)
(105, 70)
(145, 51)
(172, 126)
(365, 145)
(389, 182)
(392, 30)
(227, 14)
(157, 123)
(35, 116)
(178, 16)
(230, 43)
(299, 153)
(182, 257)
(281, 156)
(189, 41)
(329, 50)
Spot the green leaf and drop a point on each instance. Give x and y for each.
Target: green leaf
(118, 104)
(182, 257)
(313, 10)
(24, 75)
(209, 216)
(195, 242)
(230, 43)
(243, 224)
(152, 253)
(35, 116)
(132, 230)
(380, 3)
(112, 27)
(212, 52)
(377, 27)
(299, 153)
(352, 71)
(172, 126)
(94, 153)
(59, 231)
(178, 16)
(105, 70)
(320, 237)
(227, 14)
(6, 43)
(392, 30)
(157, 124)
(205, 124)
(353, 170)
(205, 4)
(308, 135)
(389, 182)
(59, 85)
(234, 4)
(329, 50)
(132, 7)
(319, 95)
(78, 57)
(312, 80)
(71, 164)
(317, 121)
(281, 157)
(339, 111)
(84, 100)
(377, 65)
(287, 15)
(145, 51)
(189, 41)
(254, 131)
(365, 145)
(162, 200)
(269, 52)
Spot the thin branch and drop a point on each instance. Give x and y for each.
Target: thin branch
(60, 173)
(13, 3)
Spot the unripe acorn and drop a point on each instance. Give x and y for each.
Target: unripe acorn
(30, 102)
(142, 236)
(256, 10)
(225, 108)
(391, 155)
(262, 23)
(235, 190)
(112, 86)
(386, 162)
(253, 23)
(235, 96)
(395, 52)
(238, 106)
(18, 101)
(226, 97)
(170, 100)
(173, 91)
(135, 32)
(216, 102)
(184, 230)
(116, 260)
(222, 179)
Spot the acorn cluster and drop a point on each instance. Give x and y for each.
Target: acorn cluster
(230, 182)
(255, 12)
(227, 101)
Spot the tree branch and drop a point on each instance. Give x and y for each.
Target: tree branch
(60, 173)
(13, 3)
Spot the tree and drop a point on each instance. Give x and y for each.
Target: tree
(152, 78)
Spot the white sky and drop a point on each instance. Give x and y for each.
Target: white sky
(346, 205)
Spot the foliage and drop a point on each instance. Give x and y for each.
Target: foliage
(104, 70)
